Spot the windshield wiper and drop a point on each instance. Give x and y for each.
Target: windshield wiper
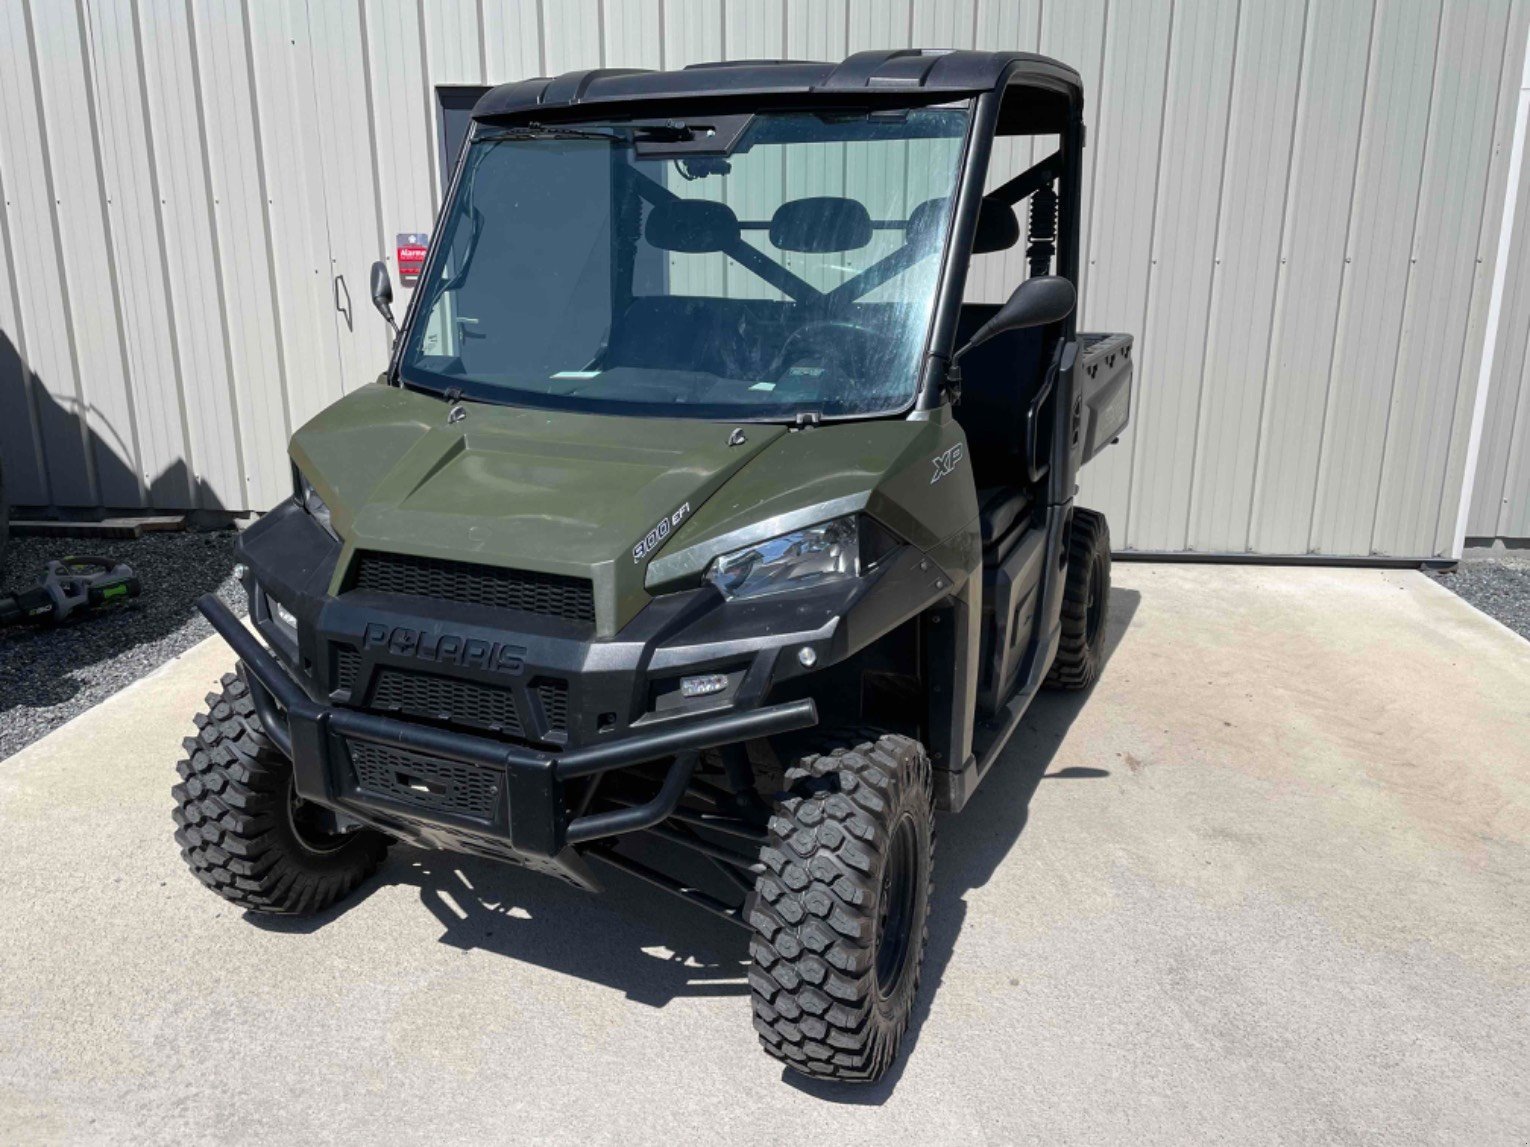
(545, 131)
(671, 131)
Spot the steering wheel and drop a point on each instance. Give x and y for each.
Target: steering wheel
(835, 346)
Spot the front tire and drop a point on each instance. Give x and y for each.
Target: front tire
(1086, 600)
(243, 830)
(839, 914)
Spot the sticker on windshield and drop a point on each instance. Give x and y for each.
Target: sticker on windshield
(655, 537)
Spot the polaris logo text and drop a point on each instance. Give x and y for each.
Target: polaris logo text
(445, 648)
(945, 463)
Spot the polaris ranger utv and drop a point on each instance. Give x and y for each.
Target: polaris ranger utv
(697, 522)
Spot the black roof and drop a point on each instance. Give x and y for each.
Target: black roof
(879, 75)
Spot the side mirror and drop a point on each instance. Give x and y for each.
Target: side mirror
(382, 293)
(1037, 301)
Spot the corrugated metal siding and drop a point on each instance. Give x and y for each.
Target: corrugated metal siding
(1500, 504)
(1294, 205)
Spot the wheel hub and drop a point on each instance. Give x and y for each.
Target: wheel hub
(895, 917)
(1094, 612)
(307, 823)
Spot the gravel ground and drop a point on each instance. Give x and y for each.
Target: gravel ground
(1499, 586)
(49, 675)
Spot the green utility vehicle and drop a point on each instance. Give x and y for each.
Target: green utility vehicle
(698, 528)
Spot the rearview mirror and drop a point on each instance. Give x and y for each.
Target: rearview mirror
(382, 292)
(1037, 301)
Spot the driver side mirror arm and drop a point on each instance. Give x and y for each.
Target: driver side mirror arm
(953, 380)
(382, 293)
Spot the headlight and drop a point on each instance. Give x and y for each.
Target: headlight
(811, 556)
(285, 620)
(309, 499)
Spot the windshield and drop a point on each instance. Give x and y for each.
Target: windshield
(722, 267)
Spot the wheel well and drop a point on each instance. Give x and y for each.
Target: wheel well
(881, 685)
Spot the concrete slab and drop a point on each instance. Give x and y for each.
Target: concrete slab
(1268, 882)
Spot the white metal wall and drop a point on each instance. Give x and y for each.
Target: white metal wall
(1500, 497)
(1293, 203)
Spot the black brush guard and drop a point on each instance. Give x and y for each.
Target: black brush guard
(532, 822)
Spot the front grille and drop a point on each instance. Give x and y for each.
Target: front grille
(425, 782)
(444, 699)
(553, 695)
(436, 698)
(347, 667)
(551, 595)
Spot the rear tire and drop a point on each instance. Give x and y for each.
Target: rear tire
(243, 830)
(839, 914)
(1086, 599)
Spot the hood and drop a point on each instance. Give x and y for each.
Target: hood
(576, 494)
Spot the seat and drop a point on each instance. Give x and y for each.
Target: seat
(999, 379)
(997, 227)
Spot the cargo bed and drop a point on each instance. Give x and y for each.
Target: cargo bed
(1104, 376)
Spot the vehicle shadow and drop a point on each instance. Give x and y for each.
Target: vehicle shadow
(630, 937)
(642, 942)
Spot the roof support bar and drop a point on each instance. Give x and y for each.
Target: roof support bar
(1032, 179)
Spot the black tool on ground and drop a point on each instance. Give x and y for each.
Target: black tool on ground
(68, 586)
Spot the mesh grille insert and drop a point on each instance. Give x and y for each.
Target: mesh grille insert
(553, 694)
(551, 595)
(347, 666)
(443, 699)
(426, 782)
(469, 703)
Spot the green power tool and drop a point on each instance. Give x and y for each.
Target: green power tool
(68, 586)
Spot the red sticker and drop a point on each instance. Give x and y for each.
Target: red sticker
(411, 249)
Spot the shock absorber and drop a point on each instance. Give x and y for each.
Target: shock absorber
(1043, 230)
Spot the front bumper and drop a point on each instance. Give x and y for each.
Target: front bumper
(428, 718)
(528, 822)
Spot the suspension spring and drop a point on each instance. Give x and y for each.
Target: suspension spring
(1043, 230)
